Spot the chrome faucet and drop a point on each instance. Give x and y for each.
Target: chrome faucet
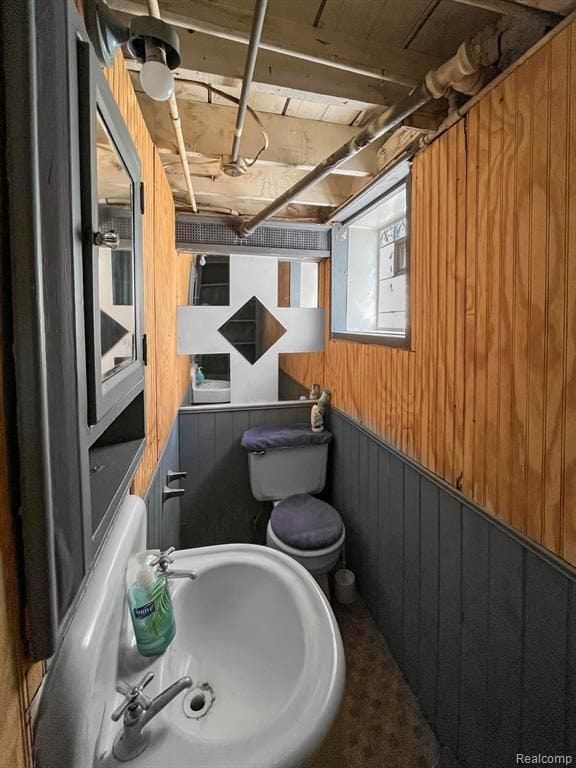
(163, 562)
(138, 710)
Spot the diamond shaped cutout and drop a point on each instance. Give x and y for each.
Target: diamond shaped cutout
(252, 330)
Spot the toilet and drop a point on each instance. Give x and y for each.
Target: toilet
(286, 466)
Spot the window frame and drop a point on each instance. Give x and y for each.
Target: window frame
(340, 253)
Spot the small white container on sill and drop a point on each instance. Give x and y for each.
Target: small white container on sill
(345, 586)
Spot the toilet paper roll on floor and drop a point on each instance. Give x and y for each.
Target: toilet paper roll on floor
(345, 586)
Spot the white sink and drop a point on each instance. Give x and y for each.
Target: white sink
(256, 628)
(211, 391)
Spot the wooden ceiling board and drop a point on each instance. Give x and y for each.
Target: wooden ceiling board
(267, 102)
(390, 22)
(263, 185)
(303, 11)
(333, 49)
(276, 73)
(355, 17)
(232, 90)
(308, 109)
(296, 142)
(448, 26)
(336, 114)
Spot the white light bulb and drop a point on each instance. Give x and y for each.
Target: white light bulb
(157, 80)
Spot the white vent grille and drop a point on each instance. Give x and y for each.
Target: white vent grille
(199, 234)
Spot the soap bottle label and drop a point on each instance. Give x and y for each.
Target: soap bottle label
(144, 610)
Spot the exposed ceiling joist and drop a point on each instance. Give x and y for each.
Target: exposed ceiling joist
(261, 185)
(294, 141)
(222, 63)
(295, 40)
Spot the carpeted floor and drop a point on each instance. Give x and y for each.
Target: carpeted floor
(380, 723)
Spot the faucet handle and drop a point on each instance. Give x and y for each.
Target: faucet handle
(133, 696)
(163, 560)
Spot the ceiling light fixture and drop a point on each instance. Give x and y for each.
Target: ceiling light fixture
(148, 40)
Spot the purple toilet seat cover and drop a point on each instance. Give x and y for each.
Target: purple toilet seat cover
(264, 437)
(304, 522)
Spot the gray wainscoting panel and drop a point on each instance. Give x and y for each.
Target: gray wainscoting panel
(218, 506)
(481, 620)
(164, 518)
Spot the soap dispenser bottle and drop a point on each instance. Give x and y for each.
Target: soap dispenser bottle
(150, 605)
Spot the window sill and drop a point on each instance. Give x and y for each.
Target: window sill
(396, 342)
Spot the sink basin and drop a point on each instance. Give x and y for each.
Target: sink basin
(261, 644)
(211, 391)
(256, 632)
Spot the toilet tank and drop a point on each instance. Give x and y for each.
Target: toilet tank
(281, 472)
(284, 461)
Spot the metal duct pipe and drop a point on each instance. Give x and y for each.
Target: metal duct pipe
(255, 35)
(462, 72)
(154, 10)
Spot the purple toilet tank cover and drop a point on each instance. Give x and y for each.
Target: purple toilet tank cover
(265, 437)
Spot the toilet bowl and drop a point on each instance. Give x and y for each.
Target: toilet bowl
(316, 561)
(286, 466)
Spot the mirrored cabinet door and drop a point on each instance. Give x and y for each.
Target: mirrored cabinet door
(111, 221)
(116, 274)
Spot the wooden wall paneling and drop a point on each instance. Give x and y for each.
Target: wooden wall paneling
(442, 262)
(555, 330)
(432, 340)
(470, 303)
(508, 170)
(419, 301)
(150, 457)
(521, 298)
(481, 288)
(493, 288)
(446, 467)
(485, 396)
(166, 291)
(538, 295)
(458, 403)
(568, 522)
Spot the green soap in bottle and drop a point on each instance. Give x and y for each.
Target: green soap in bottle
(150, 606)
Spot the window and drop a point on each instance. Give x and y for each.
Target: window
(370, 276)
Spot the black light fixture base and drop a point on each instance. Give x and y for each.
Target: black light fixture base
(107, 34)
(150, 28)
